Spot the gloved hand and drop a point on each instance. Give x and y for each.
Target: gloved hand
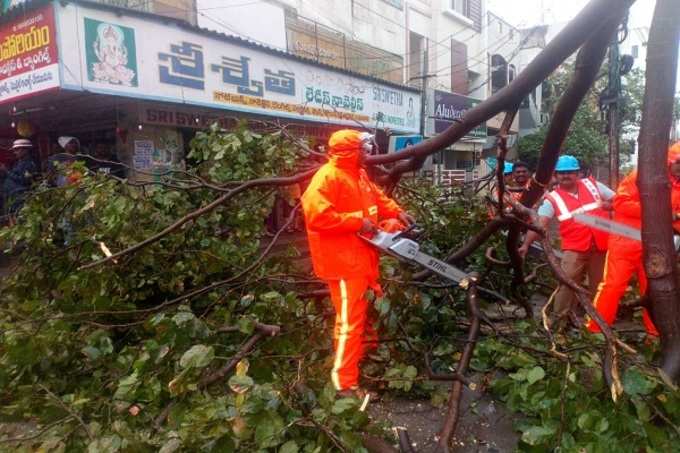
(406, 218)
(367, 227)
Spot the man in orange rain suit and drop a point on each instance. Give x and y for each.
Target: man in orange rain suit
(624, 255)
(339, 204)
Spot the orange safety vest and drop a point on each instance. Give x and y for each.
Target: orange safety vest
(575, 236)
(337, 200)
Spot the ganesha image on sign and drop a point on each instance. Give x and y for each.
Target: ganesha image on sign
(111, 50)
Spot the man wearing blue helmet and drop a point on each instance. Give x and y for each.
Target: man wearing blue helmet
(584, 248)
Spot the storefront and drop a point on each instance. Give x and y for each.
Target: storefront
(141, 85)
(462, 161)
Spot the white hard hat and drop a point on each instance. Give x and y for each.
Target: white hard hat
(65, 140)
(22, 143)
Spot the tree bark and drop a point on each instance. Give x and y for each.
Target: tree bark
(653, 181)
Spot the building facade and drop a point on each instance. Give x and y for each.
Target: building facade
(91, 72)
(408, 67)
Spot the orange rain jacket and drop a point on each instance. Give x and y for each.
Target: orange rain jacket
(624, 255)
(627, 207)
(337, 200)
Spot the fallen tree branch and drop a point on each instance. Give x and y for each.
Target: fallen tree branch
(219, 374)
(275, 181)
(453, 412)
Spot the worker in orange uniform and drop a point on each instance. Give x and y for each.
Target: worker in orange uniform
(583, 247)
(339, 204)
(624, 255)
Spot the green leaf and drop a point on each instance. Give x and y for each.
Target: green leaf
(91, 353)
(126, 387)
(635, 383)
(171, 446)
(271, 296)
(199, 356)
(410, 372)
(108, 444)
(269, 430)
(240, 384)
(246, 325)
(344, 404)
(289, 447)
(537, 435)
(535, 374)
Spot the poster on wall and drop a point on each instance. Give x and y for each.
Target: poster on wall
(28, 55)
(142, 159)
(186, 66)
(110, 55)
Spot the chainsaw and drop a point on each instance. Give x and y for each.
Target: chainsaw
(401, 246)
(613, 227)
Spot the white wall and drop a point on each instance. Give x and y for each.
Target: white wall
(449, 26)
(262, 22)
(375, 22)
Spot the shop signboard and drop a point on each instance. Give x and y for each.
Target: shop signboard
(145, 59)
(28, 55)
(449, 107)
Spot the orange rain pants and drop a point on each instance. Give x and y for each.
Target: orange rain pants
(624, 258)
(353, 334)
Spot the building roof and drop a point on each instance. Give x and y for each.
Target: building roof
(19, 10)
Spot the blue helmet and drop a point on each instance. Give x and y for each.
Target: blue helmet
(507, 168)
(567, 163)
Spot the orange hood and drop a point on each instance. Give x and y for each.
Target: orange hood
(344, 148)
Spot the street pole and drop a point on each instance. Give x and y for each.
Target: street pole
(613, 112)
(423, 86)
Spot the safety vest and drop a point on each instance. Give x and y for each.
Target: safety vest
(575, 236)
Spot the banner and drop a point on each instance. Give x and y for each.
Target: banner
(154, 60)
(449, 107)
(28, 55)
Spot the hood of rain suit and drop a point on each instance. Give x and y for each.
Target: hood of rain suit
(345, 148)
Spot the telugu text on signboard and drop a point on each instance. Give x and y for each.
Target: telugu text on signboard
(189, 67)
(28, 55)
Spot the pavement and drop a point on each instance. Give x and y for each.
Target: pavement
(485, 426)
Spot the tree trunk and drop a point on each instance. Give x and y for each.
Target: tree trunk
(653, 181)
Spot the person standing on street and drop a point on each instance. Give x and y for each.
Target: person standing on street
(583, 247)
(624, 256)
(520, 175)
(59, 165)
(19, 177)
(339, 204)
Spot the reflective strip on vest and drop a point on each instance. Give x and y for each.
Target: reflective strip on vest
(592, 189)
(564, 213)
(373, 210)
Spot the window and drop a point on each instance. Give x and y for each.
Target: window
(461, 7)
(499, 73)
(459, 67)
